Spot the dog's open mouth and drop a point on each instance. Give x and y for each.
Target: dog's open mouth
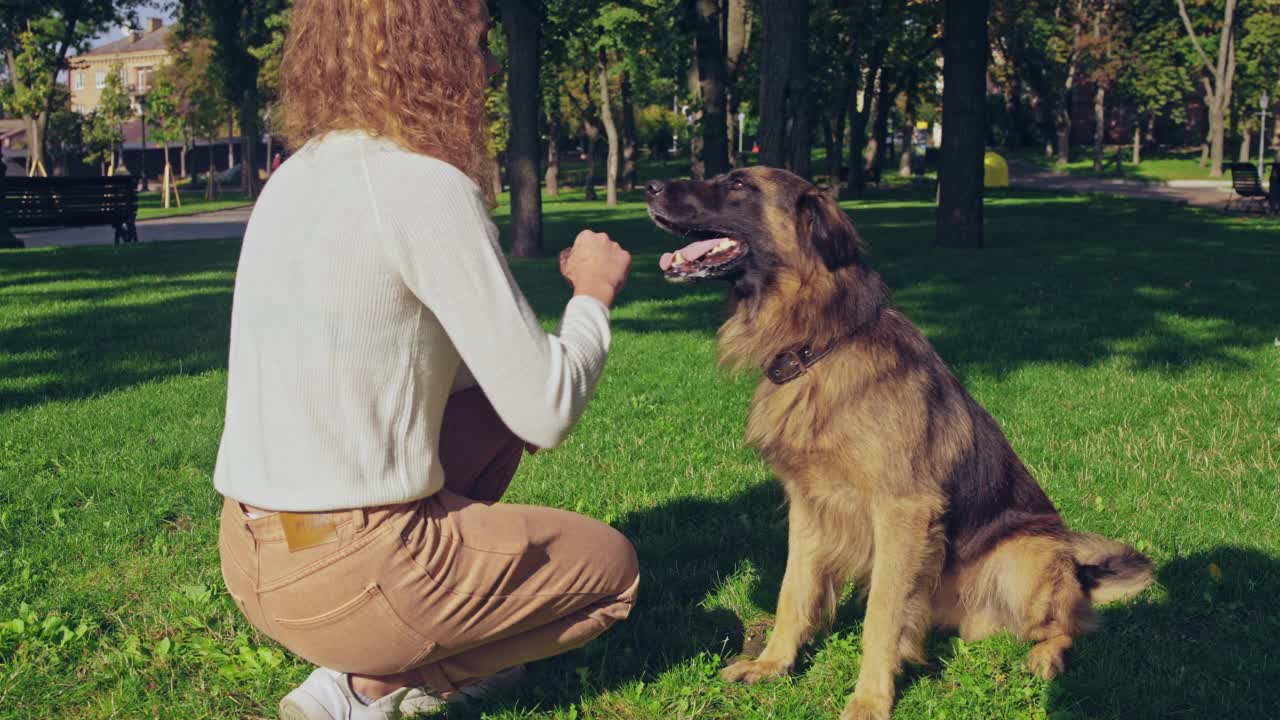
(712, 256)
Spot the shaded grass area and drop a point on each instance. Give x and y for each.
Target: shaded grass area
(1125, 346)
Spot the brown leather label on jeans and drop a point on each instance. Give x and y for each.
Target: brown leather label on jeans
(307, 530)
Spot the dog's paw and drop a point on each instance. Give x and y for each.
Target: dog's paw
(867, 709)
(1047, 660)
(753, 671)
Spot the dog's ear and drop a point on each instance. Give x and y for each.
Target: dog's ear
(822, 224)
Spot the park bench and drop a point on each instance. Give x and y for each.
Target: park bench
(30, 202)
(1246, 188)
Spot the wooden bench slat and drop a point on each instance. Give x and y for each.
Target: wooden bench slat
(72, 202)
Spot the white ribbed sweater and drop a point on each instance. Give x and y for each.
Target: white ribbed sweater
(369, 284)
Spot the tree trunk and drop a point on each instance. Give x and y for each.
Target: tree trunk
(1013, 109)
(963, 124)
(1219, 79)
(884, 105)
(590, 132)
(697, 167)
(904, 154)
(835, 148)
(708, 22)
(628, 134)
(1099, 126)
(249, 144)
(800, 101)
(1217, 140)
(1275, 137)
(858, 129)
(775, 70)
(210, 185)
(1245, 154)
(231, 132)
(553, 152)
(496, 178)
(1062, 113)
(1137, 143)
(610, 131)
(521, 23)
(786, 105)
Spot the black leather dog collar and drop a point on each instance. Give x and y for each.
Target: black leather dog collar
(791, 364)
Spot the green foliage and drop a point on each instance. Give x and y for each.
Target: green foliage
(495, 100)
(270, 53)
(194, 77)
(102, 128)
(655, 125)
(33, 73)
(1154, 76)
(1258, 67)
(165, 115)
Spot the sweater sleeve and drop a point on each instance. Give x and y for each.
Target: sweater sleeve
(437, 231)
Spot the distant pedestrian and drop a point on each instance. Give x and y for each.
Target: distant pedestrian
(275, 162)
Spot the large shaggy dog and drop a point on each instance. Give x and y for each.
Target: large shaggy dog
(893, 473)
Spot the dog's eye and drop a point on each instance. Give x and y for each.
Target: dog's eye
(738, 185)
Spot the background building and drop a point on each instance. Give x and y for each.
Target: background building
(139, 54)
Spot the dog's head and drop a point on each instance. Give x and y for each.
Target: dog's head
(750, 224)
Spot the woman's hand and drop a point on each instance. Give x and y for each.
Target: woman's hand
(595, 266)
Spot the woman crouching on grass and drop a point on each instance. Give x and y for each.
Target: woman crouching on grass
(386, 375)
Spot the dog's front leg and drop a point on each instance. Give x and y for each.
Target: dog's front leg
(810, 590)
(908, 559)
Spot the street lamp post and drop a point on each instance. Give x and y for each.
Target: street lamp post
(1262, 137)
(142, 111)
(742, 119)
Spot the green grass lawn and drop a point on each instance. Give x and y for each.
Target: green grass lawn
(1126, 347)
(1156, 167)
(149, 203)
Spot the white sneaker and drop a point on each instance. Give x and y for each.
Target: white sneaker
(421, 701)
(327, 695)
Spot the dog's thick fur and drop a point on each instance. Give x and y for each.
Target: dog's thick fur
(893, 473)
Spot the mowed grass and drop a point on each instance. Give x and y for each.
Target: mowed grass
(1126, 347)
(150, 204)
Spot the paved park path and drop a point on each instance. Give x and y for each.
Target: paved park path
(1210, 193)
(205, 226)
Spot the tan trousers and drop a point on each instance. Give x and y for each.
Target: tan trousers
(454, 587)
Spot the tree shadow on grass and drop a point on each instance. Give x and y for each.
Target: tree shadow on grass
(90, 320)
(1207, 649)
(1064, 279)
(1198, 646)
(688, 549)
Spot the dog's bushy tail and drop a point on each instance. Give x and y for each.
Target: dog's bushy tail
(1110, 570)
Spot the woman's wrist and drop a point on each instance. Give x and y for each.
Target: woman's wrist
(600, 291)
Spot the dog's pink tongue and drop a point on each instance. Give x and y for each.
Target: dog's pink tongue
(689, 252)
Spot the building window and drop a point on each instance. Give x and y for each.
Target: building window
(100, 79)
(144, 79)
(80, 81)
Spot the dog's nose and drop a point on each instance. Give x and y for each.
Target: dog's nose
(655, 187)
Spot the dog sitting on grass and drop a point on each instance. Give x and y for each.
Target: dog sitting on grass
(895, 477)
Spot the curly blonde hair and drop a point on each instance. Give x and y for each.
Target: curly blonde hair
(407, 70)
